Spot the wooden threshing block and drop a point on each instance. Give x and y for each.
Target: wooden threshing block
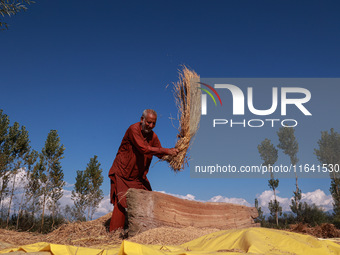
(150, 209)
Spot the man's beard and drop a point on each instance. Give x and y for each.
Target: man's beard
(146, 131)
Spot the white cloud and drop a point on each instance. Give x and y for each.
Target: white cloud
(268, 195)
(19, 186)
(317, 197)
(104, 207)
(20, 179)
(233, 200)
(68, 185)
(187, 196)
(66, 198)
(218, 198)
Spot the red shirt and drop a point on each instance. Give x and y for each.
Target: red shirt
(132, 162)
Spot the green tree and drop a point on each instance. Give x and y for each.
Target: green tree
(14, 148)
(79, 195)
(19, 143)
(68, 213)
(290, 147)
(95, 180)
(34, 190)
(50, 158)
(30, 159)
(328, 153)
(12, 7)
(5, 156)
(87, 193)
(56, 177)
(269, 155)
(312, 214)
(260, 218)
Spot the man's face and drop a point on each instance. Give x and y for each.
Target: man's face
(148, 123)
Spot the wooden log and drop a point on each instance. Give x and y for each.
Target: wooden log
(150, 209)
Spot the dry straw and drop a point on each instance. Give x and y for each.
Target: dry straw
(94, 234)
(188, 102)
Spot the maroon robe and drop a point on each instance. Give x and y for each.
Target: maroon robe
(132, 162)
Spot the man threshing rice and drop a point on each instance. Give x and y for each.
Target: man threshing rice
(140, 144)
(131, 165)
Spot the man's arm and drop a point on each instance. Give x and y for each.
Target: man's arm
(168, 151)
(142, 146)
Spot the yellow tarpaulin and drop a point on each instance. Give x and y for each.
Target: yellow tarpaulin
(244, 241)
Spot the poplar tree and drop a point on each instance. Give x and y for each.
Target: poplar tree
(79, 195)
(34, 190)
(269, 155)
(56, 177)
(30, 159)
(52, 176)
(95, 180)
(19, 143)
(5, 157)
(260, 217)
(68, 213)
(290, 147)
(87, 194)
(328, 153)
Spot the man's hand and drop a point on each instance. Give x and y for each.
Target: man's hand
(172, 151)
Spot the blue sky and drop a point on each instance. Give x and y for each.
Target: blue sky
(88, 69)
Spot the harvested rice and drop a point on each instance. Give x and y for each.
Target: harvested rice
(95, 234)
(188, 102)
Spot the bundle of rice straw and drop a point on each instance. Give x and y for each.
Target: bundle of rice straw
(188, 102)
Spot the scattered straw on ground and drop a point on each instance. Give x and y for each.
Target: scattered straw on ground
(170, 235)
(324, 230)
(86, 234)
(94, 234)
(19, 238)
